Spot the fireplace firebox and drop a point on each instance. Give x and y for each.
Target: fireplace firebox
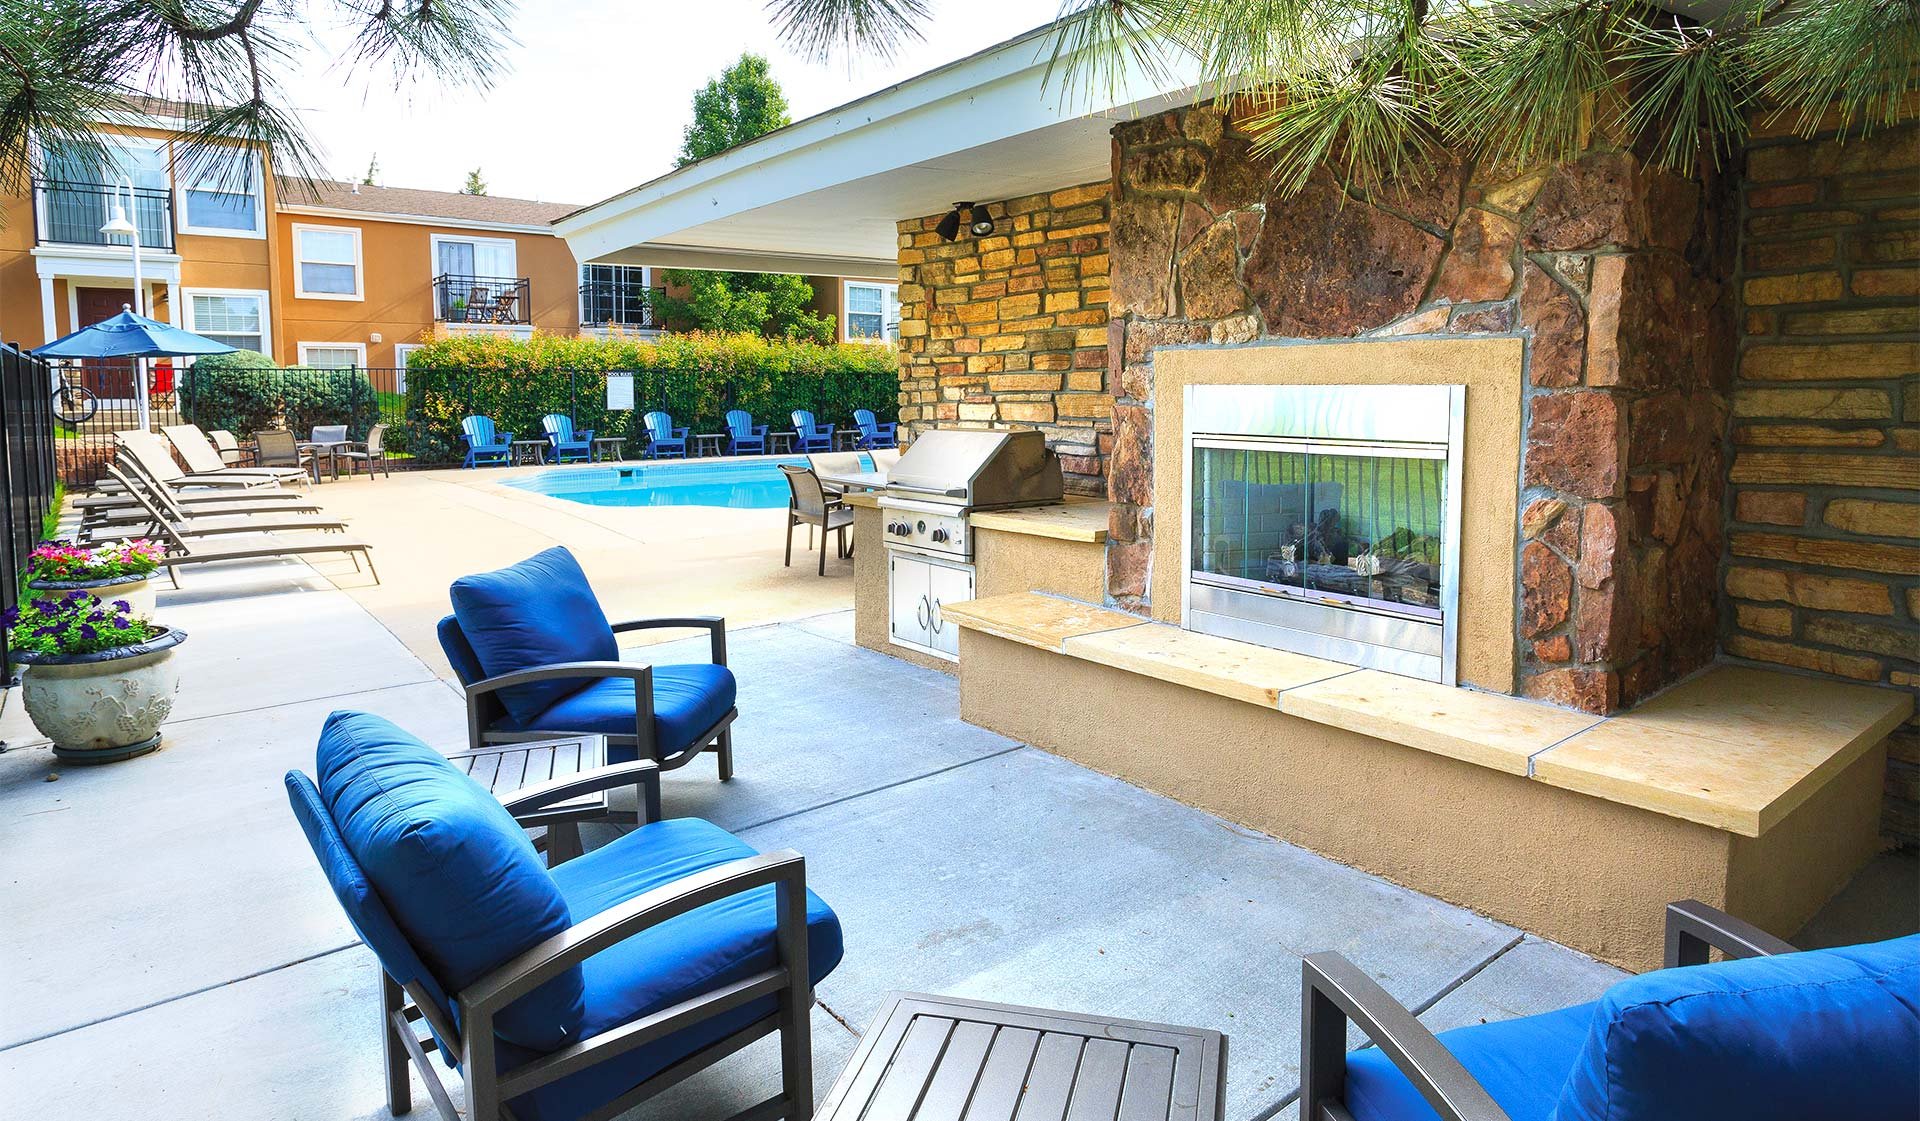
(1325, 520)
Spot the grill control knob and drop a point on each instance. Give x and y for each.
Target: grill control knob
(940, 536)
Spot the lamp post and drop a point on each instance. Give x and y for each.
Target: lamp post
(117, 224)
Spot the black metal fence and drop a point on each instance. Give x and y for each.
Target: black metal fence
(460, 298)
(72, 213)
(422, 409)
(95, 399)
(27, 468)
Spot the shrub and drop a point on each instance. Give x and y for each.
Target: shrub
(236, 392)
(696, 377)
(311, 397)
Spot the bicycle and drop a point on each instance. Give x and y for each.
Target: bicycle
(73, 403)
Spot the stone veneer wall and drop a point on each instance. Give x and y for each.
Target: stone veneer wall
(1823, 559)
(1614, 271)
(1011, 329)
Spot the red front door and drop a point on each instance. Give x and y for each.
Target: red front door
(110, 378)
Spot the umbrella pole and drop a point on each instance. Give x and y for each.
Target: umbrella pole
(140, 394)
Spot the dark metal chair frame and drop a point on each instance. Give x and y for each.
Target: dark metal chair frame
(371, 451)
(834, 514)
(488, 1091)
(1333, 991)
(484, 706)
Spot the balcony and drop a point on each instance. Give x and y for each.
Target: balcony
(67, 212)
(618, 304)
(503, 300)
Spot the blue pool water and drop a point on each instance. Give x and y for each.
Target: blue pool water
(750, 485)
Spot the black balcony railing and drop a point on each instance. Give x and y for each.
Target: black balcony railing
(71, 213)
(481, 299)
(613, 303)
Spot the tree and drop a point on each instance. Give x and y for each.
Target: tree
(373, 169)
(476, 185)
(768, 303)
(1371, 88)
(68, 64)
(742, 103)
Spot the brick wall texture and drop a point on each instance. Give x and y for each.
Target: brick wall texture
(1615, 273)
(1822, 570)
(1011, 328)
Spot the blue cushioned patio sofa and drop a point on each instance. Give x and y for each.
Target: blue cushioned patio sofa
(1770, 1034)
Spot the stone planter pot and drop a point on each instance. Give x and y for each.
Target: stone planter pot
(106, 706)
(136, 590)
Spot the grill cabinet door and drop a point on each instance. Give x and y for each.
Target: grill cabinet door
(949, 585)
(909, 600)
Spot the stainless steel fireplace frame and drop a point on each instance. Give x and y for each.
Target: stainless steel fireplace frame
(1387, 421)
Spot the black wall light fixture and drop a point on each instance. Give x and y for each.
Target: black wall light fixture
(979, 222)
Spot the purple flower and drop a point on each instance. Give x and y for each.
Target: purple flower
(44, 606)
(88, 632)
(121, 622)
(47, 631)
(76, 597)
(122, 605)
(9, 617)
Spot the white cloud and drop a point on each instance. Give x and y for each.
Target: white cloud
(597, 94)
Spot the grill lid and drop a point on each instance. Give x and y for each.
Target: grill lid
(979, 468)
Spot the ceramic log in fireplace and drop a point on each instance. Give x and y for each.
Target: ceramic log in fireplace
(1326, 520)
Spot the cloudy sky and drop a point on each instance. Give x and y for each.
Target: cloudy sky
(594, 98)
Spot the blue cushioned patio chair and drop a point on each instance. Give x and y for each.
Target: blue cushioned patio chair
(564, 993)
(568, 446)
(1770, 1034)
(812, 437)
(663, 439)
(873, 433)
(537, 657)
(485, 442)
(744, 436)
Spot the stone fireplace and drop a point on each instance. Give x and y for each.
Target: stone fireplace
(1325, 520)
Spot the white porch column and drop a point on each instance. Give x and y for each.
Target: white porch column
(49, 324)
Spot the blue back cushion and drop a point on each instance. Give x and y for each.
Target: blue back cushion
(1824, 1033)
(540, 612)
(453, 869)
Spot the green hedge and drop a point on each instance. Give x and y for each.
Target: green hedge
(244, 392)
(696, 377)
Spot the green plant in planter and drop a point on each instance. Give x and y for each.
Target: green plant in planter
(72, 624)
(69, 563)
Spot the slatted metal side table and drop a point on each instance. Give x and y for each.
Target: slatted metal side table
(510, 767)
(938, 1058)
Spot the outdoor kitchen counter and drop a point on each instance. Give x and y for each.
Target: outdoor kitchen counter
(1734, 748)
(1076, 519)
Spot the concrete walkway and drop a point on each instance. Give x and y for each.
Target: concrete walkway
(173, 952)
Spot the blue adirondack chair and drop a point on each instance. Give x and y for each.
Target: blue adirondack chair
(664, 439)
(485, 443)
(530, 975)
(813, 437)
(568, 445)
(873, 433)
(743, 435)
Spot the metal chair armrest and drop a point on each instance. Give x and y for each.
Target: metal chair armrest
(1333, 990)
(640, 673)
(1695, 930)
(532, 799)
(554, 956)
(714, 625)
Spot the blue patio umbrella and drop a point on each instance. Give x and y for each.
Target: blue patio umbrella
(128, 335)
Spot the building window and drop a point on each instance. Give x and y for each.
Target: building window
(402, 357)
(235, 318)
(615, 296)
(221, 196)
(871, 312)
(333, 356)
(326, 262)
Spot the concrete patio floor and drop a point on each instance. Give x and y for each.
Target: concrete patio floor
(174, 952)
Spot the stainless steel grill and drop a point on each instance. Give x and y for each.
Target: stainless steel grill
(949, 473)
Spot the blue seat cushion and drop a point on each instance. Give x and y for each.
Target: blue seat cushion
(1523, 1063)
(687, 700)
(454, 870)
(677, 960)
(539, 612)
(1823, 1033)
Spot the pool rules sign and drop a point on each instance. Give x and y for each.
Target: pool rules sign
(619, 390)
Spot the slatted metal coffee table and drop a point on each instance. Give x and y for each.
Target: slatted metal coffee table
(510, 767)
(938, 1058)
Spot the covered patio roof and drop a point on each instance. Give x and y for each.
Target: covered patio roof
(821, 196)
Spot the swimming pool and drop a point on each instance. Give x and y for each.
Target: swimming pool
(737, 484)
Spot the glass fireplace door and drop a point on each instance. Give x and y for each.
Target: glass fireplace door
(1358, 525)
